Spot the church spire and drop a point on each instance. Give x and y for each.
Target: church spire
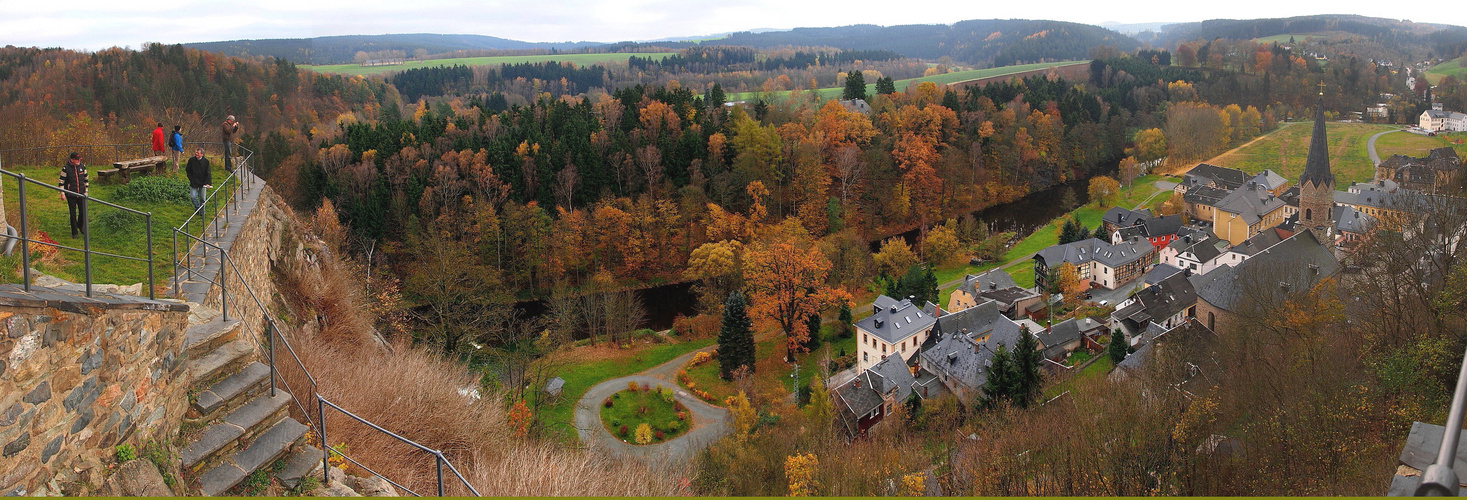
(1316, 168)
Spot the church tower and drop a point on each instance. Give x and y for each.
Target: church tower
(1317, 183)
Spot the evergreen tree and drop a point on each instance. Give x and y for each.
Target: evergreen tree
(1025, 363)
(716, 97)
(735, 337)
(885, 85)
(847, 321)
(855, 86)
(1000, 381)
(1099, 233)
(919, 283)
(929, 285)
(1117, 346)
(813, 326)
(1069, 232)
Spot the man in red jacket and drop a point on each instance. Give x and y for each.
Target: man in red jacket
(158, 146)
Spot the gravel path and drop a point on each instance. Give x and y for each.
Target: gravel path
(709, 422)
(1370, 147)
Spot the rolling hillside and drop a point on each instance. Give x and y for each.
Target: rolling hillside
(340, 49)
(1414, 39)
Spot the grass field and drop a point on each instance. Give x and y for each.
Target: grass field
(943, 79)
(1284, 151)
(1418, 145)
(1298, 37)
(578, 59)
(123, 234)
(1455, 67)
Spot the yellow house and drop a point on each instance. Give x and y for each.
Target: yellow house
(1245, 212)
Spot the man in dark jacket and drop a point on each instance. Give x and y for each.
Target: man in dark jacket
(74, 181)
(200, 179)
(227, 133)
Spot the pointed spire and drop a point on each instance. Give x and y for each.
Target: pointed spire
(1316, 168)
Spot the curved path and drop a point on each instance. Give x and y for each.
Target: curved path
(709, 422)
(1370, 147)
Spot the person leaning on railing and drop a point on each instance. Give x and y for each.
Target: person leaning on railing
(74, 179)
(228, 132)
(200, 179)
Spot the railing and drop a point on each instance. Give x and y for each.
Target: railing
(274, 336)
(86, 249)
(211, 204)
(1439, 479)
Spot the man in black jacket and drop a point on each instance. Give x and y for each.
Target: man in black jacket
(200, 179)
(74, 180)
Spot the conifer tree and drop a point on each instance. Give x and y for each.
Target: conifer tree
(1117, 347)
(735, 337)
(855, 85)
(1026, 376)
(812, 325)
(885, 85)
(1000, 381)
(846, 321)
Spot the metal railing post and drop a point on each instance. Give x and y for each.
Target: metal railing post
(1439, 479)
(270, 325)
(149, 218)
(325, 448)
(25, 238)
(439, 457)
(86, 244)
(223, 287)
(176, 293)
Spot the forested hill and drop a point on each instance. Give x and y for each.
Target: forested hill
(1428, 39)
(341, 49)
(997, 42)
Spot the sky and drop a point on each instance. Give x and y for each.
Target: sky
(98, 24)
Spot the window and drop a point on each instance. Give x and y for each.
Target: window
(865, 356)
(883, 348)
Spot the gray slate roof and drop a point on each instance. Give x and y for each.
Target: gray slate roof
(887, 375)
(1122, 216)
(1205, 248)
(995, 279)
(1225, 178)
(1250, 202)
(1350, 220)
(1162, 226)
(985, 318)
(1259, 242)
(1159, 272)
(1204, 195)
(1159, 302)
(1368, 195)
(1269, 179)
(895, 320)
(954, 353)
(1083, 251)
(1316, 167)
(1065, 332)
(1298, 261)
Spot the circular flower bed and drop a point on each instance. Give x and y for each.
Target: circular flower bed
(642, 414)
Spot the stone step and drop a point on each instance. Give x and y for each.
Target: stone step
(237, 426)
(201, 338)
(219, 363)
(198, 313)
(262, 452)
(303, 462)
(231, 392)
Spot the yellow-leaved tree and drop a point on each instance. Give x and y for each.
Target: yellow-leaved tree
(800, 470)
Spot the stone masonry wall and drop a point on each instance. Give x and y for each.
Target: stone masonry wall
(80, 375)
(254, 249)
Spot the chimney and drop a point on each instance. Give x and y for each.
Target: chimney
(858, 382)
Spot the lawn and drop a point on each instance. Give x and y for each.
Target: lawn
(1099, 368)
(1454, 67)
(587, 366)
(112, 231)
(770, 368)
(1417, 145)
(943, 79)
(578, 59)
(1284, 151)
(654, 406)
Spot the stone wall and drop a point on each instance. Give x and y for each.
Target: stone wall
(254, 249)
(79, 376)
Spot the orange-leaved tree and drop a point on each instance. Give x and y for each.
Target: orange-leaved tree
(786, 280)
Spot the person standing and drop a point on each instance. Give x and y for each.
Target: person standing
(175, 145)
(200, 179)
(227, 135)
(158, 146)
(74, 181)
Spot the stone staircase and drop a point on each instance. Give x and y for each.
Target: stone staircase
(243, 428)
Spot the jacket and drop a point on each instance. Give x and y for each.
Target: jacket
(198, 172)
(158, 139)
(175, 141)
(73, 178)
(228, 131)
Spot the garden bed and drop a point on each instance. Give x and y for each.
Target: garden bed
(642, 414)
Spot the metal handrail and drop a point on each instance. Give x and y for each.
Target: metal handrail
(436, 453)
(86, 249)
(1439, 479)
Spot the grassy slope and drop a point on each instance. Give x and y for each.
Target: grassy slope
(943, 79)
(1418, 145)
(1455, 67)
(578, 59)
(1285, 150)
(47, 212)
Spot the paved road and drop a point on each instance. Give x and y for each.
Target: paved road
(1370, 147)
(709, 422)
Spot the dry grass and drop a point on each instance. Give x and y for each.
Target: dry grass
(415, 393)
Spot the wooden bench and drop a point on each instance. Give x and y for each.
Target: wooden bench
(124, 169)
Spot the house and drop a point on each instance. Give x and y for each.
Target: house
(1352, 225)
(1271, 181)
(1165, 305)
(1380, 199)
(1251, 246)
(963, 346)
(873, 394)
(857, 105)
(1198, 254)
(1429, 174)
(1099, 263)
(1213, 176)
(1066, 336)
(1294, 264)
(1245, 212)
(1158, 230)
(1119, 217)
(1199, 202)
(1437, 120)
(1159, 272)
(994, 285)
(894, 327)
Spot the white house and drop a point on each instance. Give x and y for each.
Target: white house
(1443, 121)
(894, 327)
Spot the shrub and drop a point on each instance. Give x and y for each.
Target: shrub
(632, 386)
(154, 190)
(607, 403)
(644, 433)
(616, 422)
(700, 358)
(673, 425)
(678, 406)
(124, 452)
(622, 430)
(646, 387)
(658, 434)
(666, 394)
(682, 415)
(116, 221)
(682, 376)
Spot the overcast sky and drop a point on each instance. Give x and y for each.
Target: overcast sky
(97, 24)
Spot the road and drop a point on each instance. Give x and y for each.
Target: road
(1370, 147)
(709, 422)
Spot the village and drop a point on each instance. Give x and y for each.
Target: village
(1169, 276)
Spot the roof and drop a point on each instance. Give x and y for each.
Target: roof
(1367, 195)
(1203, 248)
(1087, 250)
(1250, 202)
(1260, 242)
(1160, 301)
(1065, 332)
(1436, 114)
(1316, 167)
(1007, 297)
(1204, 195)
(1290, 196)
(1269, 179)
(1225, 178)
(995, 279)
(976, 321)
(1159, 272)
(865, 392)
(1162, 226)
(1349, 220)
(1128, 232)
(965, 361)
(1298, 262)
(1124, 216)
(895, 320)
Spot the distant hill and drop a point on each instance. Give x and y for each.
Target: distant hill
(341, 49)
(1430, 39)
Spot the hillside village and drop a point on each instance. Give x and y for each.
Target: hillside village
(1181, 274)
